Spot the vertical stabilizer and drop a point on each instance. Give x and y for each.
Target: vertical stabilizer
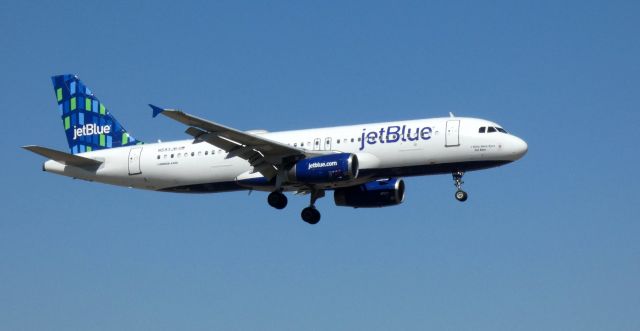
(88, 124)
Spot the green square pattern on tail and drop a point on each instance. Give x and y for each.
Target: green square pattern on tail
(92, 129)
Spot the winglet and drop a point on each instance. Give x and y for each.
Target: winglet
(156, 110)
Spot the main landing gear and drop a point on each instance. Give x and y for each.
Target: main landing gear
(310, 214)
(277, 200)
(457, 179)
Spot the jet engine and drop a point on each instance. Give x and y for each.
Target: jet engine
(325, 169)
(379, 193)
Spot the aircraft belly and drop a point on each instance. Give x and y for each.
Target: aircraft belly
(193, 172)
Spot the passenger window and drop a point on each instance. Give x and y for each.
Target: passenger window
(295, 144)
(213, 152)
(359, 139)
(338, 141)
(482, 130)
(351, 139)
(199, 153)
(206, 152)
(172, 156)
(193, 154)
(158, 157)
(492, 129)
(301, 144)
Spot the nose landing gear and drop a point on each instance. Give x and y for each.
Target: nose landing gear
(457, 179)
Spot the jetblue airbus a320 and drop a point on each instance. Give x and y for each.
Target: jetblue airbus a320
(362, 164)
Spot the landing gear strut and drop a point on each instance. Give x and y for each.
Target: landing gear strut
(277, 200)
(457, 180)
(310, 214)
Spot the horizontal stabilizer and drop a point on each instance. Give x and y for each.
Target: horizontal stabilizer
(62, 157)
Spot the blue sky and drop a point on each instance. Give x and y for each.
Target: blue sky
(547, 243)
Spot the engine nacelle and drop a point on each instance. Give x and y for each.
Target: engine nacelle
(379, 193)
(325, 169)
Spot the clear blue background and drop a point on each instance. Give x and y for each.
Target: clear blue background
(547, 243)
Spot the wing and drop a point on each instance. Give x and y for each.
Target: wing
(265, 156)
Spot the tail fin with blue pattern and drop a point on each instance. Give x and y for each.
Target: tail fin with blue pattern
(88, 124)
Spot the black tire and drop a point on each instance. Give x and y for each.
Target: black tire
(277, 200)
(310, 215)
(461, 195)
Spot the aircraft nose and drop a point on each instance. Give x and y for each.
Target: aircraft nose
(519, 148)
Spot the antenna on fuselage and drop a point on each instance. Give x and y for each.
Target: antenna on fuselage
(451, 114)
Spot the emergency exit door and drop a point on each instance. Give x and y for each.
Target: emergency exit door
(327, 144)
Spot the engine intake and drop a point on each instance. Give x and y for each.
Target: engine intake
(379, 193)
(325, 169)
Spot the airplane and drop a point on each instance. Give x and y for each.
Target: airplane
(362, 164)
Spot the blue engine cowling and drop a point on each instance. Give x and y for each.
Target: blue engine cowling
(325, 169)
(379, 193)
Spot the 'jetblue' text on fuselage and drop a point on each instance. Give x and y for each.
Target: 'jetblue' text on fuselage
(393, 134)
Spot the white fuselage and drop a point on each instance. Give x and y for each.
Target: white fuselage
(390, 149)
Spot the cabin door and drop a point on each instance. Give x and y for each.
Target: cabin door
(452, 135)
(134, 161)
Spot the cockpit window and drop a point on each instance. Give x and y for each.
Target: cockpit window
(482, 129)
(501, 130)
(491, 129)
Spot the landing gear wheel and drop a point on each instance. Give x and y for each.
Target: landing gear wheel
(277, 200)
(457, 181)
(461, 195)
(310, 215)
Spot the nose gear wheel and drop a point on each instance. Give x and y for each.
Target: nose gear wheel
(457, 181)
